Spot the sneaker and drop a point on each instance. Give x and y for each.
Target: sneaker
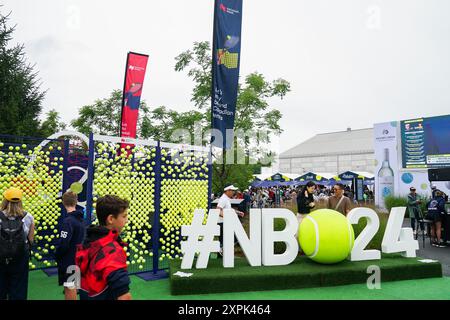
(414, 232)
(441, 245)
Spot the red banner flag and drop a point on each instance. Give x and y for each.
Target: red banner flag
(134, 81)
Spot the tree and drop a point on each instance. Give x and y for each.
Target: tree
(103, 117)
(51, 124)
(253, 114)
(162, 123)
(20, 94)
(237, 174)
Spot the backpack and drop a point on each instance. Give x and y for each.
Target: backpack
(433, 206)
(12, 238)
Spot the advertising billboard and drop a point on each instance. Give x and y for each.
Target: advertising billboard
(405, 150)
(425, 142)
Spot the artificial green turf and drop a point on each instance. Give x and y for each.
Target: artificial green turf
(302, 273)
(42, 287)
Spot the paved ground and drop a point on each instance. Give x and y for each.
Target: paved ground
(430, 252)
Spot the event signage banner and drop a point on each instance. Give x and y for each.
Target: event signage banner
(310, 176)
(386, 158)
(258, 245)
(348, 175)
(404, 151)
(134, 80)
(425, 142)
(225, 69)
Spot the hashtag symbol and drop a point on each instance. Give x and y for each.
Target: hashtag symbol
(206, 245)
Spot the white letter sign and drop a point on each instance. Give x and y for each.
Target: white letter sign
(287, 236)
(251, 246)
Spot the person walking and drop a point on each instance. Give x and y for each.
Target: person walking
(72, 233)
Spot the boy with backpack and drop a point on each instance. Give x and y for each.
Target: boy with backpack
(71, 235)
(16, 238)
(101, 258)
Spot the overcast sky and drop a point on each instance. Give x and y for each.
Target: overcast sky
(351, 63)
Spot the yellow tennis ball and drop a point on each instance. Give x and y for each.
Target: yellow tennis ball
(326, 236)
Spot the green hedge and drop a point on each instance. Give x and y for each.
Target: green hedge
(302, 273)
(375, 243)
(392, 201)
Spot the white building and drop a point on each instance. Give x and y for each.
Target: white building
(336, 152)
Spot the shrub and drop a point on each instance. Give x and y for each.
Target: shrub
(423, 204)
(375, 243)
(392, 201)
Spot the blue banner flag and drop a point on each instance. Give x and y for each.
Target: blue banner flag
(225, 69)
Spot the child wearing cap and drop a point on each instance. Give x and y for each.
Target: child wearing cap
(16, 238)
(71, 235)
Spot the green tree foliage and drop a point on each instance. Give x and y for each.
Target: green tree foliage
(253, 113)
(238, 175)
(20, 94)
(252, 109)
(103, 116)
(51, 124)
(162, 123)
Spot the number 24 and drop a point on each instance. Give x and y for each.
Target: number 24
(396, 239)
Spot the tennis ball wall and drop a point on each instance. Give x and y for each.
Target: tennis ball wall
(129, 174)
(37, 171)
(184, 188)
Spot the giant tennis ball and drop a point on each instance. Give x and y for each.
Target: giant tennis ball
(326, 236)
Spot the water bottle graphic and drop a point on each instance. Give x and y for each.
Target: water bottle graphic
(385, 178)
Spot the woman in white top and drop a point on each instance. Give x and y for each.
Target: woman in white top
(16, 238)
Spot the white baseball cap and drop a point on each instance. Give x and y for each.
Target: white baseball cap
(231, 187)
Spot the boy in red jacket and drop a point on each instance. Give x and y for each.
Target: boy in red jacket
(101, 258)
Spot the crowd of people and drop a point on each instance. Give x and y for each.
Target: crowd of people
(435, 215)
(285, 196)
(97, 251)
(99, 254)
(341, 198)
